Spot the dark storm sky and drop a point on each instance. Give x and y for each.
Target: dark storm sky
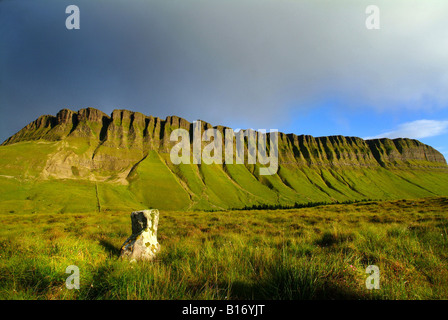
(294, 65)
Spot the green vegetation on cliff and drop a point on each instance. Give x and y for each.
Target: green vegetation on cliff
(88, 161)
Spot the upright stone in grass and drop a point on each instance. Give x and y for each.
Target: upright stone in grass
(142, 244)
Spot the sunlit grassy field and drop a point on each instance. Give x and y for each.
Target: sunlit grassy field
(309, 253)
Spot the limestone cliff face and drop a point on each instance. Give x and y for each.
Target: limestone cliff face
(324, 151)
(86, 123)
(388, 151)
(353, 151)
(94, 143)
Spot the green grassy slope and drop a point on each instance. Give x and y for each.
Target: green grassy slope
(156, 182)
(156, 186)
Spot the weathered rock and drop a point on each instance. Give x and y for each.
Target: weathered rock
(142, 244)
(119, 141)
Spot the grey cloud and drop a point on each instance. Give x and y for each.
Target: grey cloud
(234, 62)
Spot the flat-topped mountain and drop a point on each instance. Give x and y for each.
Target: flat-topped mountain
(88, 160)
(133, 130)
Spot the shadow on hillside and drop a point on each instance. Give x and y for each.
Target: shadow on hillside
(110, 248)
(289, 280)
(285, 282)
(100, 288)
(267, 290)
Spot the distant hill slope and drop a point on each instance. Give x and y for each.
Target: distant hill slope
(89, 161)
